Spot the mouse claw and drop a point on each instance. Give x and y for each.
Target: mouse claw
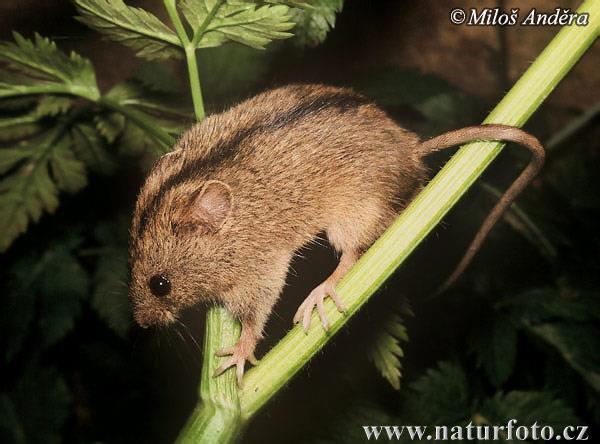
(315, 299)
(252, 359)
(236, 361)
(226, 351)
(240, 353)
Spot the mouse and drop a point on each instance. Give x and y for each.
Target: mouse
(220, 217)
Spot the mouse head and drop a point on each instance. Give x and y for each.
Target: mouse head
(177, 256)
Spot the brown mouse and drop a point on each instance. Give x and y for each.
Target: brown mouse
(220, 217)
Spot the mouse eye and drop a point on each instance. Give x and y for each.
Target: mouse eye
(160, 285)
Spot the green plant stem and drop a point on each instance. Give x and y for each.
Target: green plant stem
(189, 48)
(424, 213)
(217, 418)
(196, 90)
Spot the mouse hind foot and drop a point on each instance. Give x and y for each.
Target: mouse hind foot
(318, 295)
(241, 352)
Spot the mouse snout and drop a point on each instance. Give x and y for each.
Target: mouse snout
(146, 316)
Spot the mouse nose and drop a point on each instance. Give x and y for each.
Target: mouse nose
(150, 315)
(141, 320)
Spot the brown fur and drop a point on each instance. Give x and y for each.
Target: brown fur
(344, 172)
(297, 161)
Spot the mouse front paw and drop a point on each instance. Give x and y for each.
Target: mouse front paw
(240, 353)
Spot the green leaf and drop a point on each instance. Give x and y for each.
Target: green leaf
(36, 409)
(495, 347)
(159, 76)
(539, 305)
(63, 286)
(110, 296)
(10, 157)
(564, 318)
(159, 109)
(577, 344)
(314, 21)
(46, 167)
(68, 171)
(133, 27)
(165, 110)
(109, 125)
(29, 122)
(89, 146)
(528, 407)
(18, 302)
(135, 142)
(386, 351)
(34, 67)
(56, 281)
(53, 105)
(15, 128)
(441, 396)
(229, 72)
(215, 22)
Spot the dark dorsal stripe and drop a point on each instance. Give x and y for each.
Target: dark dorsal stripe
(227, 149)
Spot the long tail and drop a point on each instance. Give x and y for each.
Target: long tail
(489, 132)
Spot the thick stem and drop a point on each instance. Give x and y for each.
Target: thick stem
(424, 213)
(217, 418)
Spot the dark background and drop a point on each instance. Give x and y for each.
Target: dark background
(141, 386)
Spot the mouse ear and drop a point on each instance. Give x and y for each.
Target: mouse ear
(212, 205)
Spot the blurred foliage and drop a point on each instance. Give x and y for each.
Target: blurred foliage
(386, 352)
(519, 333)
(444, 396)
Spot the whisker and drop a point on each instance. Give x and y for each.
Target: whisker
(191, 336)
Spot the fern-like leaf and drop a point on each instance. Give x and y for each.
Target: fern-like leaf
(53, 280)
(133, 27)
(386, 351)
(38, 66)
(50, 106)
(35, 173)
(153, 106)
(215, 22)
(314, 20)
(528, 407)
(442, 395)
(110, 299)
